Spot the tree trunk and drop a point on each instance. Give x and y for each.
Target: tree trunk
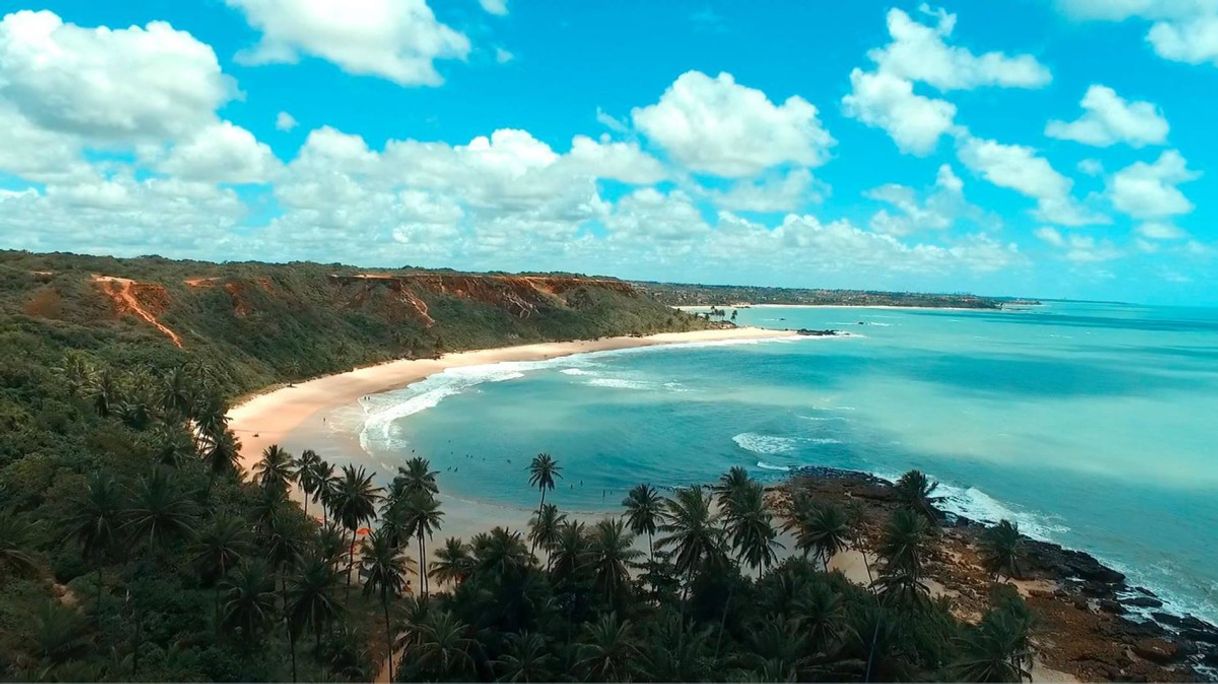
(283, 593)
(388, 632)
(533, 545)
(97, 603)
(422, 568)
(723, 619)
(350, 562)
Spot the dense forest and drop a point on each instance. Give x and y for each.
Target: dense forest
(684, 294)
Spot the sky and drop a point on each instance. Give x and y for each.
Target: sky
(1046, 148)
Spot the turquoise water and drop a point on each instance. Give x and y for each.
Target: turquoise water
(1092, 425)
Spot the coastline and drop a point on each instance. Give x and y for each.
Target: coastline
(888, 307)
(271, 417)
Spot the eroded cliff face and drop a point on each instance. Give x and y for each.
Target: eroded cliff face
(393, 298)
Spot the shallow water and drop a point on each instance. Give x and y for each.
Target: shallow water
(1092, 425)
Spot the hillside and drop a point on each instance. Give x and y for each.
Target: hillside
(261, 323)
(684, 294)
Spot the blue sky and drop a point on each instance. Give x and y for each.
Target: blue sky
(1044, 148)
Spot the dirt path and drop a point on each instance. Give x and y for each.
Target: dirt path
(120, 290)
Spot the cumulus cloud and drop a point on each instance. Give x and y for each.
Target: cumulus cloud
(221, 153)
(775, 192)
(887, 101)
(496, 7)
(918, 52)
(622, 161)
(1181, 30)
(398, 40)
(285, 122)
(1109, 119)
(1149, 191)
(1019, 168)
(717, 126)
(943, 206)
(109, 86)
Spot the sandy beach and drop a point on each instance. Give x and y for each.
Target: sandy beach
(272, 417)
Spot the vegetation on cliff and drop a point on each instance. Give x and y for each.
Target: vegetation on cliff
(685, 294)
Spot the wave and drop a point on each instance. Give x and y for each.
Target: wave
(769, 466)
(764, 444)
(621, 383)
(823, 440)
(576, 371)
(826, 419)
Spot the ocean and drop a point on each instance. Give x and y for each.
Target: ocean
(1093, 425)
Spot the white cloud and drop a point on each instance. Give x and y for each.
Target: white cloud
(1158, 230)
(1091, 167)
(1182, 30)
(222, 153)
(1148, 191)
(917, 52)
(781, 192)
(398, 40)
(716, 126)
(496, 7)
(503, 56)
(1079, 248)
(888, 102)
(614, 160)
(109, 86)
(1019, 168)
(285, 122)
(943, 206)
(1109, 119)
(649, 214)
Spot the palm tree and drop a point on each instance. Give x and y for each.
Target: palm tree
(310, 595)
(384, 567)
(172, 446)
(219, 546)
(178, 393)
(222, 453)
(327, 487)
(249, 600)
(442, 647)
(608, 650)
(571, 550)
(97, 516)
(997, 650)
(820, 614)
(307, 475)
(542, 472)
(526, 659)
(691, 530)
(275, 472)
(612, 554)
(330, 541)
(731, 484)
(500, 554)
(422, 515)
(417, 476)
(902, 548)
(544, 527)
(1000, 548)
(59, 635)
(750, 526)
(915, 491)
(823, 530)
(102, 392)
(644, 507)
(14, 534)
(354, 504)
(159, 511)
(454, 562)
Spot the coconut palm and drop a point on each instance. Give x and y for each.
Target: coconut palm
(750, 526)
(571, 551)
(730, 485)
(422, 515)
(1000, 549)
(525, 660)
(222, 543)
(384, 568)
(611, 554)
(249, 600)
(275, 471)
(500, 554)
(103, 392)
(691, 530)
(916, 491)
(95, 523)
(222, 453)
(330, 541)
(159, 512)
(59, 635)
(417, 476)
(307, 475)
(354, 504)
(903, 548)
(544, 527)
(210, 415)
(171, 445)
(644, 508)
(310, 595)
(327, 487)
(608, 650)
(543, 471)
(824, 531)
(14, 534)
(454, 561)
(997, 650)
(820, 614)
(442, 647)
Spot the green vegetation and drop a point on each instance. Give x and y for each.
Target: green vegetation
(130, 547)
(682, 294)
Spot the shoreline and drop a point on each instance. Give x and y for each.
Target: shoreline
(266, 418)
(885, 307)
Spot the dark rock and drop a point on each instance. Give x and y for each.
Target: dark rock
(1167, 619)
(1111, 606)
(1208, 636)
(1157, 651)
(1143, 602)
(1144, 590)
